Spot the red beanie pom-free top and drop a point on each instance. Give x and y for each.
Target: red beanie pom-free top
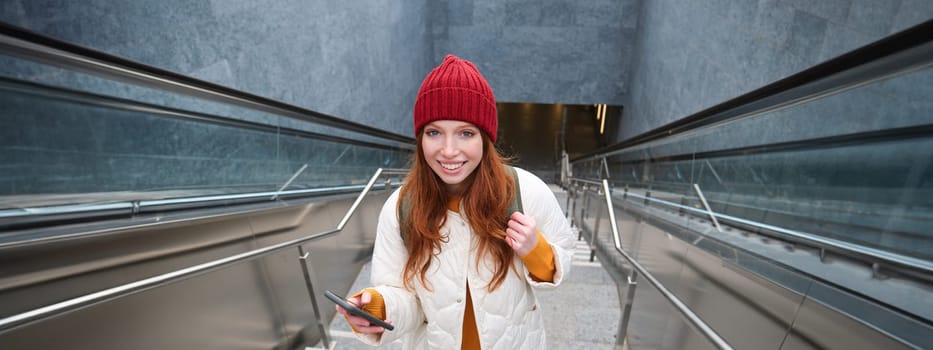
(455, 90)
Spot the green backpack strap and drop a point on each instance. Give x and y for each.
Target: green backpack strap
(405, 208)
(516, 205)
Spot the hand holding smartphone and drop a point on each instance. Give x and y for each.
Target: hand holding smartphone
(355, 311)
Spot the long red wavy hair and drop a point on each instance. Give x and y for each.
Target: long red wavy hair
(489, 191)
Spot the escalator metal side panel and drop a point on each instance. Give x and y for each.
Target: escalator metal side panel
(336, 262)
(257, 304)
(752, 301)
(747, 310)
(819, 325)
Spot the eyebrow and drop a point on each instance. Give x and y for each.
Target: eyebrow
(458, 128)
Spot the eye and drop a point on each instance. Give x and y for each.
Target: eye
(467, 133)
(431, 132)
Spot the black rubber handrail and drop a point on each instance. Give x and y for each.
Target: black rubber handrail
(34, 46)
(886, 135)
(91, 99)
(783, 89)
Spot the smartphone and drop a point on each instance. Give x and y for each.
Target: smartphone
(355, 311)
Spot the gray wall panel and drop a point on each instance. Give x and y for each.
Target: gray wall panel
(364, 60)
(550, 51)
(359, 60)
(689, 56)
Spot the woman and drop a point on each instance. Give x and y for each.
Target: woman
(452, 268)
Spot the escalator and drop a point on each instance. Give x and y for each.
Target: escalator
(141, 209)
(797, 216)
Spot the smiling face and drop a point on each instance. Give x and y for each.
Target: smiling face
(453, 149)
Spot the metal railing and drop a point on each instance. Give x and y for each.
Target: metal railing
(877, 256)
(77, 303)
(629, 291)
(132, 207)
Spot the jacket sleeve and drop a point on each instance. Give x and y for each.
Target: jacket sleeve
(540, 261)
(389, 257)
(539, 202)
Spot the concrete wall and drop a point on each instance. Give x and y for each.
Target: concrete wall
(359, 60)
(690, 55)
(542, 51)
(364, 60)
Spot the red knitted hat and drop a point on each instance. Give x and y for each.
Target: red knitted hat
(455, 90)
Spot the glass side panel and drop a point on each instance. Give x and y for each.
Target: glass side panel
(20, 69)
(57, 150)
(855, 166)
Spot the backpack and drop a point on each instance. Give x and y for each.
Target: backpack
(516, 205)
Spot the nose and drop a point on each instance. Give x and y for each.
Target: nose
(450, 148)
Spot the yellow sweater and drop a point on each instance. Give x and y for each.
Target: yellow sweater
(539, 262)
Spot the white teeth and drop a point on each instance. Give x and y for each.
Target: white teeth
(453, 166)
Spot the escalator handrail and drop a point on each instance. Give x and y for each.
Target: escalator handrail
(87, 300)
(110, 102)
(903, 51)
(37, 47)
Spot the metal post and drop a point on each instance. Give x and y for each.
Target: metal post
(605, 167)
(567, 210)
(573, 205)
(595, 234)
(586, 207)
(289, 182)
(309, 277)
(577, 208)
(708, 210)
(580, 223)
(626, 308)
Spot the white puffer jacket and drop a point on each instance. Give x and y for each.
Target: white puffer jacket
(507, 318)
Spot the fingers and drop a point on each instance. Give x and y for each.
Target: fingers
(516, 226)
(520, 233)
(519, 217)
(369, 328)
(361, 325)
(516, 236)
(520, 243)
(522, 222)
(511, 242)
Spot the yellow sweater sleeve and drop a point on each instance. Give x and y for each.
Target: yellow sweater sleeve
(540, 261)
(376, 307)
